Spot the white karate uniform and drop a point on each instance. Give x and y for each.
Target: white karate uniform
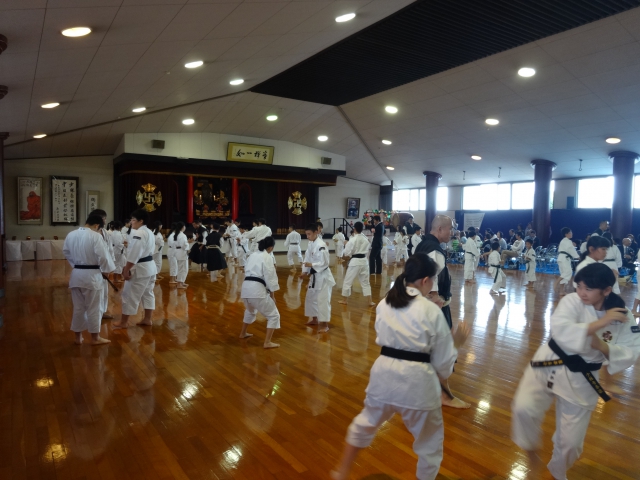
(358, 267)
(143, 275)
(233, 233)
(243, 248)
(105, 285)
(255, 296)
(530, 271)
(574, 395)
(409, 388)
(495, 270)
(117, 241)
(171, 256)
(181, 246)
(564, 261)
(471, 252)
(318, 300)
(338, 240)
(292, 244)
(386, 243)
(583, 247)
(86, 247)
(613, 260)
(256, 234)
(401, 243)
(415, 241)
(157, 253)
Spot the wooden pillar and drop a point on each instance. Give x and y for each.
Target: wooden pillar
(622, 207)
(190, 199)
(3, 137)
(542, 199)
(432, 179)
(235, 199)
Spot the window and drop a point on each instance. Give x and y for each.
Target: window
(401, 200)
(522, 196)
(416, 199)
(491, 196)
(595, 192)
(442, 199)
(636, 191)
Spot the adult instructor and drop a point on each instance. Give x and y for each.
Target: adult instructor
(375, 257)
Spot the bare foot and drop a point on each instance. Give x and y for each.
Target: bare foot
(454, 403)
(145, 323)
(117, 326)
(372, 304)
(343, 302)
(315, 322)
(323, 330)
(172, 282)
(246, 335)
(107, 316)
(493, 292)
(100, 341)
(271, 345)
(78, 341)
(182, 286)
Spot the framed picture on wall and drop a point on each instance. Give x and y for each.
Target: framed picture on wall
(29, 200)
(353, 208)
(64, 200)
(93, 201)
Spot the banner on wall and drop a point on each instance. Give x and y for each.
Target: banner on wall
(473, 220)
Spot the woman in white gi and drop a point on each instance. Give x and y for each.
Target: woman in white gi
(338, 241)
(530, 263)
(417, 347)
(357, 249)
(159, 241)
(566, 254)
(384, 253)
(495, 270)
(182, 246)
(595, 252)
(317, 303)
(260, 283)
(471, 253)
(591, 327)
(401, 240)
(613, 260)
(243, 246)
(171, 257)
(292, 244)
(118, 242)
(87, 253)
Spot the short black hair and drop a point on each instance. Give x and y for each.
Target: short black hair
(312, 227)
(93, 219)
(358, 227)
(262, 221)
(376, 217)
(495, 246)
(565, 230)
(141, 214)
(292, 226)
(100, 212)
(340, 229)
(529, 241)
(319, 224)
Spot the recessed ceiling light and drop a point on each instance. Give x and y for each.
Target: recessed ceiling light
(272, 118)
(390, 168)
(195, 64)
(323, 138)
(40, 135)
(238, 81)
(476, 157)
(50, 105)
(188, 121)
(391, 109)
(527, 72)
(346, 17)
(492, 121)
(139, 109)
(76, 32)
(386, 142)
(612, 140)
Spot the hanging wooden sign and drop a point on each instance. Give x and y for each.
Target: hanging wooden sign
(241, 152)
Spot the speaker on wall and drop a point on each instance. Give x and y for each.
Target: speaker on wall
(571, 203)
(157, 144)
(325, 160)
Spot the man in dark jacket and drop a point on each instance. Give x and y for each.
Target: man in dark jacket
(375, 257)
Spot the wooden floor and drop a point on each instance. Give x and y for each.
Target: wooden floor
(188, 399)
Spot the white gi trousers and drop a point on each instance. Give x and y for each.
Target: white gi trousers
(383, 255)
(469, 266)
(242, 256)
(362, 273)
(533, 398)
(183, 268)
(565, 269)
(173, 266)
(87, 309)
(426, 426)
(157, 258)
(104, 303)
(500, 281)
(265, 306)
(339, 249)
(136, 290)
(401, 253)
(317, 303)
(531, 271)
(120, 262)
(294, 250)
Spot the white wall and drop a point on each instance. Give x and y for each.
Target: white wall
(95, 173)
(213, 146)
(564, 188)
(333, 200)
(455, 198)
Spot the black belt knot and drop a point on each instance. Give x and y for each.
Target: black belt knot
(406, 355)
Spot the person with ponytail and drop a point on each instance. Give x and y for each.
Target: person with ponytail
(595, 252)
(178, 241)
(159, 241)
(589, 328)
(258, 291)
(417, 348)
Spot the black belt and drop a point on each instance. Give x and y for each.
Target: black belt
(145, 259)
(568, 256)
(406, 355)
(313, 276)
(359, 255)
(257, 279)
(470, 253)
(497, 267)
(609, 260)
(575, 363)
(293, 244)
(528, 262)
(87, 267)
(177, 248)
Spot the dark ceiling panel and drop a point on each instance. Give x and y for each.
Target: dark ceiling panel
(428, 37)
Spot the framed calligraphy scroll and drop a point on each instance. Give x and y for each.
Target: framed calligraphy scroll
(29, 200)
(64, 200)
(241, 152)
(93, 201)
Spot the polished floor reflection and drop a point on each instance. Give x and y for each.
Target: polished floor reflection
(187, 399)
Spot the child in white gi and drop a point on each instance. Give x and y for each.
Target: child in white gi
(595, 252)
(566, 254)
(495, 270)
(182, 247)
(338, 240)
(417, 347)
(243, 246)
(613, 260)
(317, 303)
(357, 249)
(471, 253)
(530, 262)
(260, 283)
(171, 255)
(386, 244)
(401, 241)
(117, 240)
(589, 328)
(292, 244)
(157, 254)
(415, 240)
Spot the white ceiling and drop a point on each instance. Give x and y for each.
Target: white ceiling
(587, 87)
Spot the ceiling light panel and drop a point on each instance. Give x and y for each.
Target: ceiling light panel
(76, 31)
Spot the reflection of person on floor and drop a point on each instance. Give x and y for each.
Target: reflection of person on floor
(417, 349)
(34, 210)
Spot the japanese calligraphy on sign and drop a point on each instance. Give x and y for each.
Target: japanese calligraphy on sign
(29, 200)
(93, 201)
(240, 152)
(64, 200)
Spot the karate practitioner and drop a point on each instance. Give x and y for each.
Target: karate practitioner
(384, 253)
(613, 260)
(589, 328)
(292, 244)
(87, 253)
(401, 241)
(530, 262)
(118, 243)
(566, 254)
(414, 240)
(596, 252)
(171, 255)
(196, 254)
(182, 246)
(214, 258)
(261, 231)
(157, 253)
(105, 285)
(417, 348)
(317, 304)
(495, 270)
(230, 235)
(338, 240)
(260, 283)
(471, 252)
(243, 247)
(357, 249)
(139, 273)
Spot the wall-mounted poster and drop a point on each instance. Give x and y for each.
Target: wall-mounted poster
(64, 200)
(93, 200)
(29, 200)
(353, 208)
(241, 152)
